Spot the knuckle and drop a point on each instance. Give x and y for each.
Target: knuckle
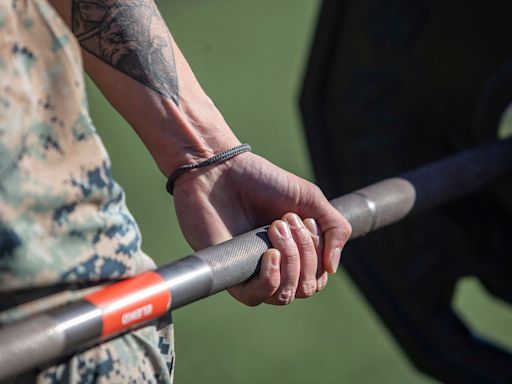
(322, 282)
(313, 195)
(291, 265)
(271, 282)
(308, 288)
(290, 255)
(312, 188)
(304, 239)
(317, 190)
(346, 230)
(285, 296)
(284, 245)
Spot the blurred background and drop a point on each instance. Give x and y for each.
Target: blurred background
(250, 58)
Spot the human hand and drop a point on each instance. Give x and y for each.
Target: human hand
(216, 203)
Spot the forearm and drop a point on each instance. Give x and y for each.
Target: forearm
(131, 56)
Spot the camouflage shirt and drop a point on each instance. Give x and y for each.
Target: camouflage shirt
(63, 219)
(62, 216)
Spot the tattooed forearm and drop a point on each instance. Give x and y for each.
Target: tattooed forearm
(131, 36)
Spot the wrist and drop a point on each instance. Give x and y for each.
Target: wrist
(217, 159)
(190, 134)
(203, 182)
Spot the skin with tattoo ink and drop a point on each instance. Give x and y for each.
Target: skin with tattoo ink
(131, 36)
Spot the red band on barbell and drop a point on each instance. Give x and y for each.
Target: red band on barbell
(127, 303)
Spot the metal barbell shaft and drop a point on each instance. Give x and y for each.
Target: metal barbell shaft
(128, 304)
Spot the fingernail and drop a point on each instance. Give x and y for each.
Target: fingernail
(294, 221)
(284, 229)
(335, 258)
(312, 227)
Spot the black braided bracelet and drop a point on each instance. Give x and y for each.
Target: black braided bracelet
(218, 158)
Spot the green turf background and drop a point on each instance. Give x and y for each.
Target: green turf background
(250, 57)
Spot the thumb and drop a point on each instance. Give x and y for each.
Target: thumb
(335, 229)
